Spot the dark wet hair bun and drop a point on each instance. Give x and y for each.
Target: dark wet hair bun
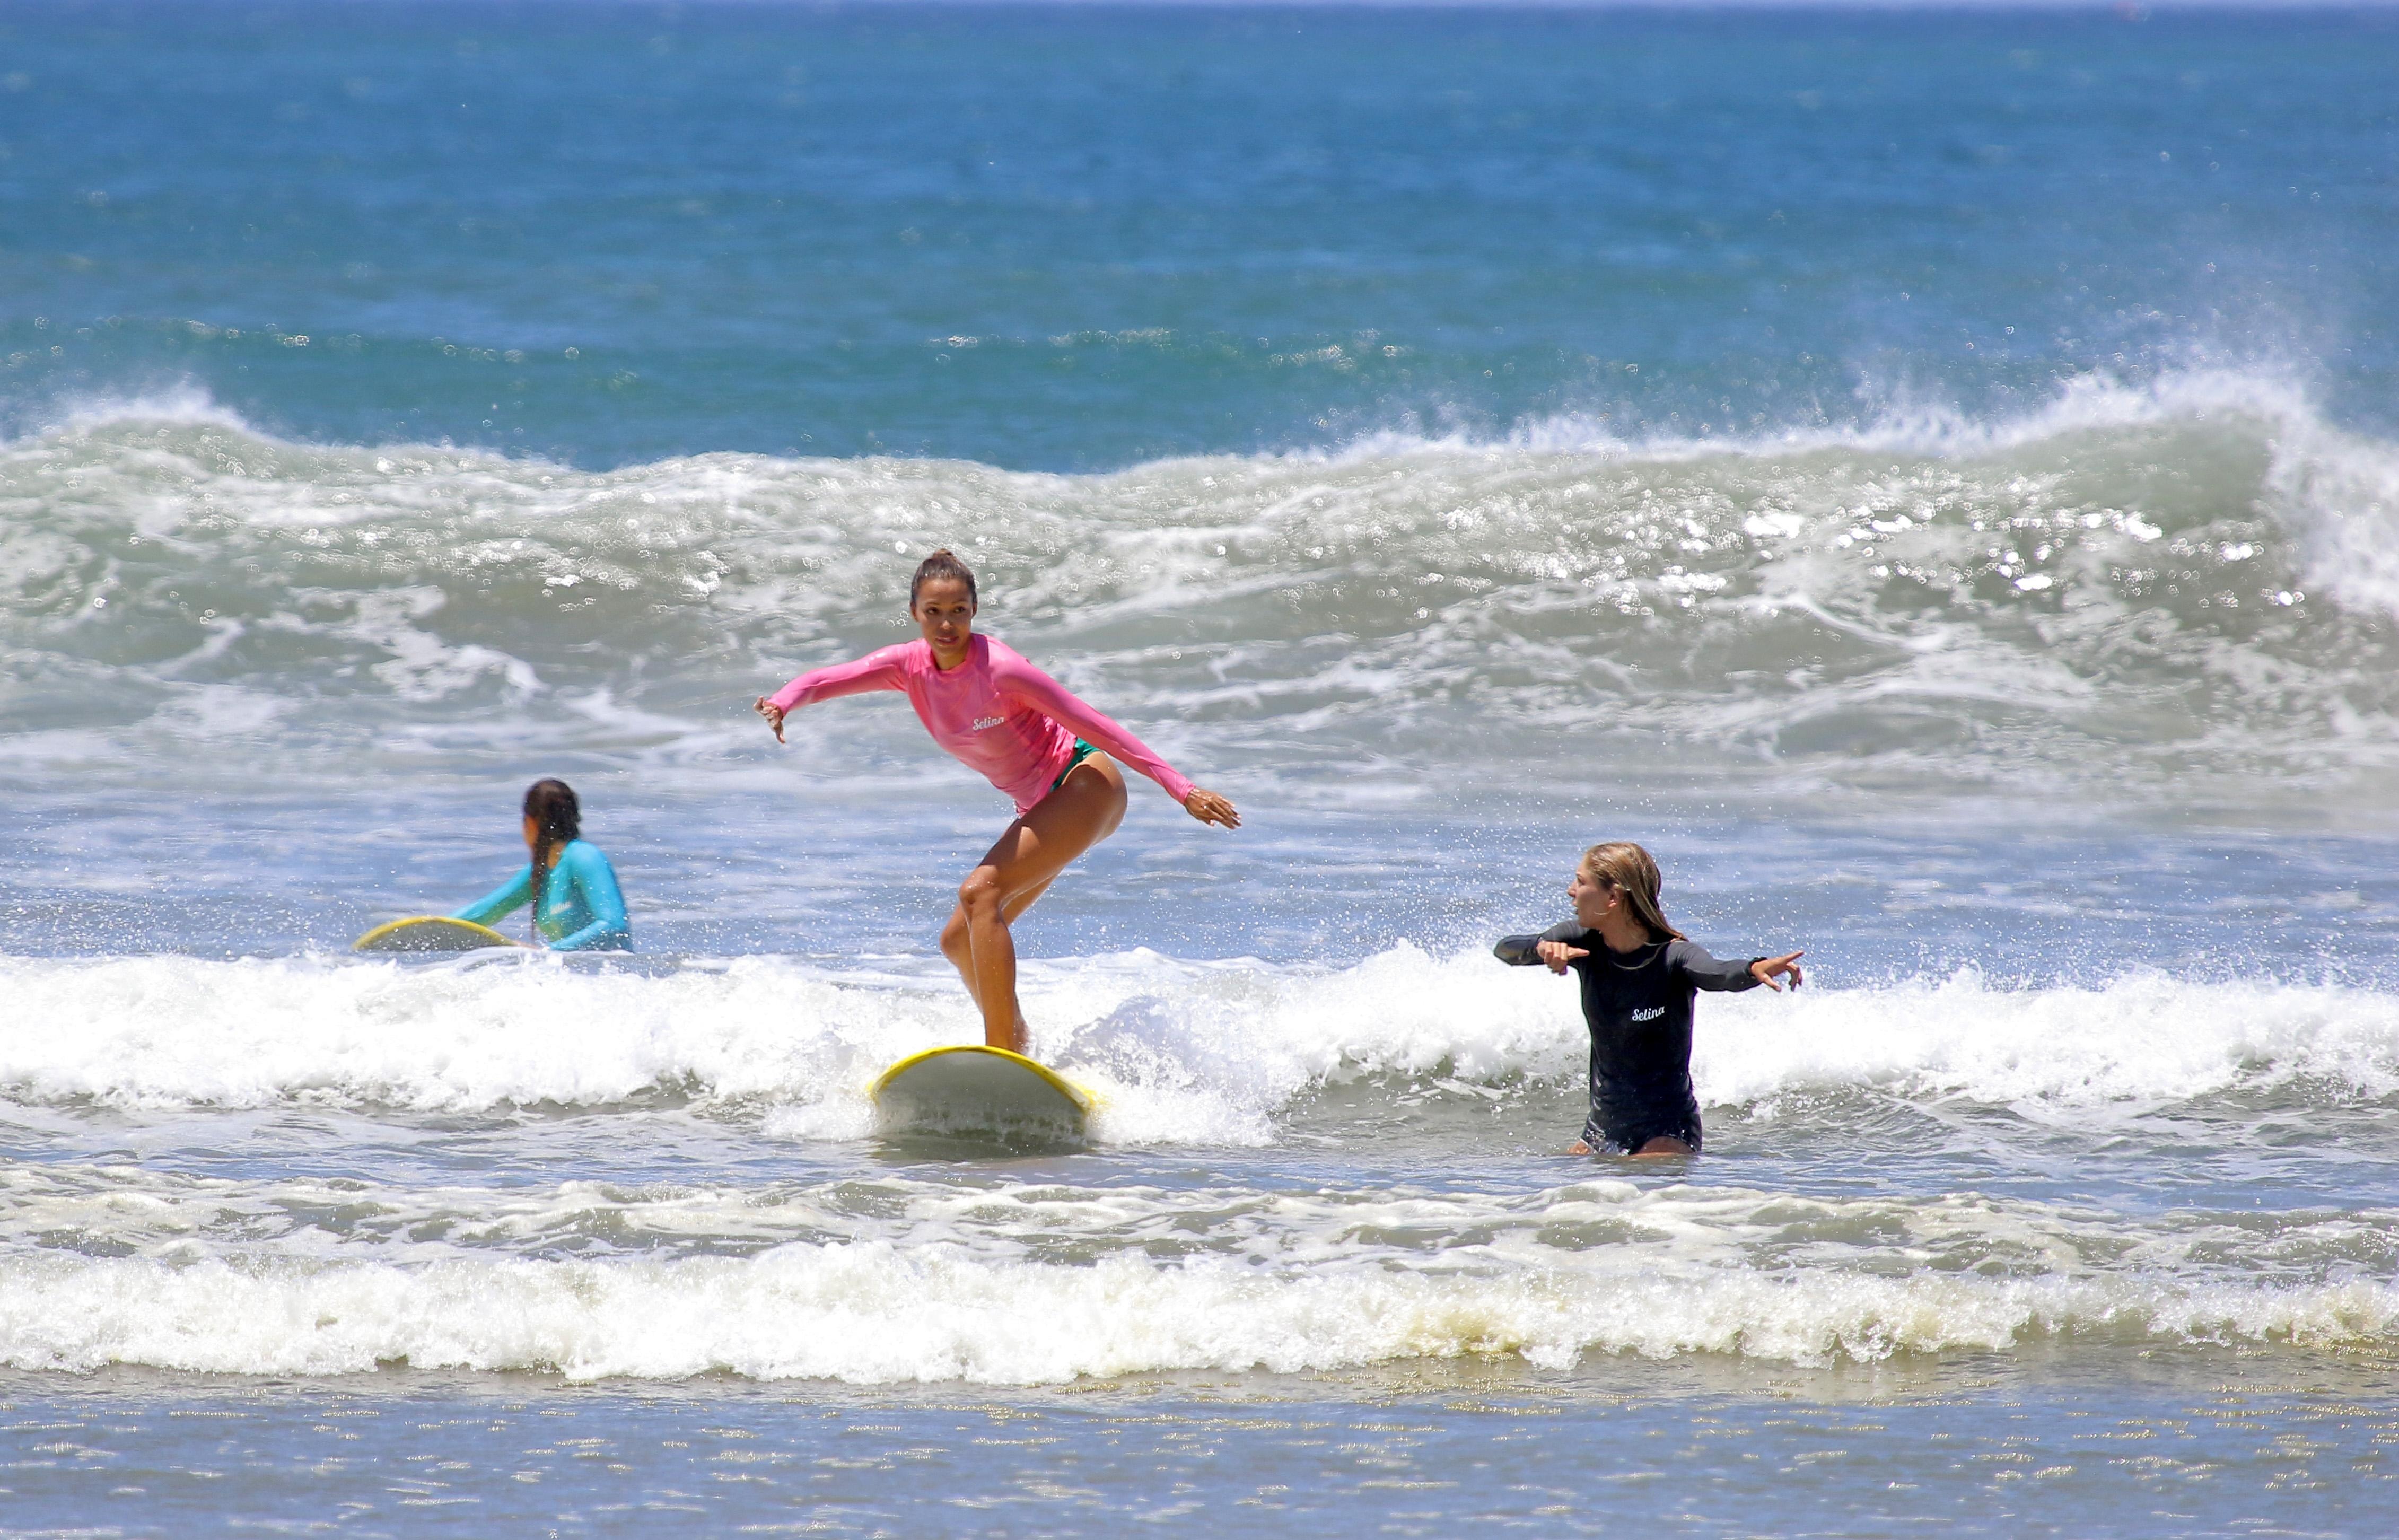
(942, 563)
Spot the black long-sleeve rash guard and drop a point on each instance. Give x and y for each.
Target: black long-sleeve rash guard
(1638, 1005)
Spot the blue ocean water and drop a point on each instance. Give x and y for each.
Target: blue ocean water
(1083, 238)
(1931, 475)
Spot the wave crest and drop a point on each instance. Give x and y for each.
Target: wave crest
(879, 1314)
(1206, 1053)
(2198, 572)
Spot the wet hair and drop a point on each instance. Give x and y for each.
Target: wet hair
(1627, 868)
(556, 817)
(942, 563)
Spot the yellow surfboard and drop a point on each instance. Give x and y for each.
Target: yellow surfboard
(431, 933)
(977, 1092)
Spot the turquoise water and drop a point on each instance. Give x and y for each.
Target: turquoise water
(1931, 477)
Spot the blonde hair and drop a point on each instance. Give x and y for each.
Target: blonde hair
(1627, 868)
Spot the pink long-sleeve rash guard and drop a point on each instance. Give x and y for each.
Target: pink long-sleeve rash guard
(995, 712)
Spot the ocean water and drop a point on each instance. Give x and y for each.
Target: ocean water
(1931, 477)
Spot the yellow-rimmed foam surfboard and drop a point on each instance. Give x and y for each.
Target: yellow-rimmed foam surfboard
(977, 1092)
(431, 933)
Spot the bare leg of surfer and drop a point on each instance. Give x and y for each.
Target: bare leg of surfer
(960, 952)
(1016, 871)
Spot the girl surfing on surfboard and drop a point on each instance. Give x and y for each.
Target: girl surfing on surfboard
(1053, 754)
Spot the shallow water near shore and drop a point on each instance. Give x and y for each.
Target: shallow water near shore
(1929, 479)
(2122, 1446)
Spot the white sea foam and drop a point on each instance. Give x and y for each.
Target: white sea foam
(169, 1031)
(2131, 1044)
(1179, 1052)
(892, 1279)
(881, 1312)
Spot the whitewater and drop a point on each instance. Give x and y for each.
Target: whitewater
(2134, 586)
(2183, 574)
(1450, 1084)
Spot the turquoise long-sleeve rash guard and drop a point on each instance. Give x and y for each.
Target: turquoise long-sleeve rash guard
(581, 910)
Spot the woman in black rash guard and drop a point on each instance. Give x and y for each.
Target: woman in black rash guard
(1639, 976)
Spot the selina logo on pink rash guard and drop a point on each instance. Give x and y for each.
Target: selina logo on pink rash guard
(995, 712)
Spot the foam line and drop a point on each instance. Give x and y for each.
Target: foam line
(880, 1314)
(1181, 1052)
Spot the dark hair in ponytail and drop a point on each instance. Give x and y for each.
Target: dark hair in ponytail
(942, 563)
(556, 817)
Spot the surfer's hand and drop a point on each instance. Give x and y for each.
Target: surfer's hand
(1208, 807)
(773, 714)
(1765, 968)
(1557, 954)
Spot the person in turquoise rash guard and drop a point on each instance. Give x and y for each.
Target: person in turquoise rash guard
(580, 908)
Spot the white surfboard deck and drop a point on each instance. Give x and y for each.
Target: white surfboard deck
(431, 933)
(980, 1093)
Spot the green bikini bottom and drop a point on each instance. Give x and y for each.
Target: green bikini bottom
(1082, 751)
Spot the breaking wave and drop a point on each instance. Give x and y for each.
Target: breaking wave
(2196, 573)
(912, 1282)
(1218, 1053)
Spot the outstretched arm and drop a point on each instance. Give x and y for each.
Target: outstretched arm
(1553, 949)
(1093, 726)
(597, 880)
(1723, 974)
(509, 896)
(877, 671)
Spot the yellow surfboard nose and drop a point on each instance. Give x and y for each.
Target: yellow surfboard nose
(431, 933)
(970, 1091)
